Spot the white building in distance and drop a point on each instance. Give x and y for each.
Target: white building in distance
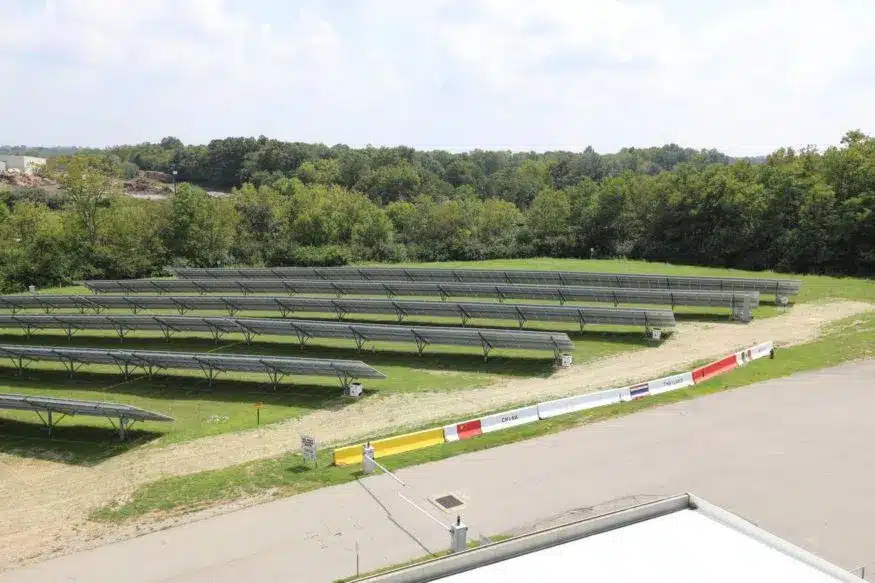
(24, 164)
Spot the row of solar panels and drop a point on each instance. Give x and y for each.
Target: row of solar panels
(522, 313)
(210, 363)
(783, 287)
(77, 407)
(444, 290)
(422, 336)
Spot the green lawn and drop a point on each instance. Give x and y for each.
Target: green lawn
(850, 339)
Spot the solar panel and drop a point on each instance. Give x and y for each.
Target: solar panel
(126, 414)
(341, 307)
(304, 330)
(77, 407)
(210, 363)
(561, 294)
(782, 287)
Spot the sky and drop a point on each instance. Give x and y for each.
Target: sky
(745, 77)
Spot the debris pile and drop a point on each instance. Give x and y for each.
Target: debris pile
(17, 179)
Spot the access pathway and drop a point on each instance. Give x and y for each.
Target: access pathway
(792, 455)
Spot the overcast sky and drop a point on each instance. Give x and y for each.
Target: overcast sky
(744, 76)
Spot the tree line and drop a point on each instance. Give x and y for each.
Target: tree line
(800, 211)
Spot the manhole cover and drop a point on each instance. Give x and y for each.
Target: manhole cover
(448, 502)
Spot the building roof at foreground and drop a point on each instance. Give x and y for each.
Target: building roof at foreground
(682, 539)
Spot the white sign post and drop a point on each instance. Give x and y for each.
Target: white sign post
(308, 448)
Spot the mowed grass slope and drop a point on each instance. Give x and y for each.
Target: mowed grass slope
(202, 410)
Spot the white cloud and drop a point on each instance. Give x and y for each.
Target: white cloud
(748, 76)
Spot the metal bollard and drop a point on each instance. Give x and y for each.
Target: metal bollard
(368, 464)
(458, 536)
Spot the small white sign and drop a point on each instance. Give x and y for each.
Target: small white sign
(308, 447)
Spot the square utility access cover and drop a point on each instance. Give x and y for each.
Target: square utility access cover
(448, 502)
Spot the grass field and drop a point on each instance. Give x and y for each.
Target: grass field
(847, 340)
(202, 410)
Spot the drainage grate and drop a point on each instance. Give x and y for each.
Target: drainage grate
(448, 502)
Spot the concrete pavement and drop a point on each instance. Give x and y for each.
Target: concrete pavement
(794, 456)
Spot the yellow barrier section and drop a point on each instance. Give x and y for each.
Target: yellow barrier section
(346, 456)
(408, 442)
(352, 454)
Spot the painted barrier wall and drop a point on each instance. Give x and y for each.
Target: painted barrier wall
(638, 391)
(753, 353)
(472, 428)
(469, 429)
(726, 364)
(408, 442)
(760, 350)
(670, 383)
(451, 433)
(346, 456)
(507, 419)
(464, 430)
(352, 454)
(578, 403)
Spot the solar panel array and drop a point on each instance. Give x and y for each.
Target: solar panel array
(304, 330)
(77, 407)
(211, 364)
(127, 415)
(466, 311)
(783, 287)
(561, 294)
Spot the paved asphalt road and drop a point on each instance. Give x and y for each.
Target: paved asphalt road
(794, 456)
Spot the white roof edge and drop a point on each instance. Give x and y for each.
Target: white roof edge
(751, 530)
(458, 563)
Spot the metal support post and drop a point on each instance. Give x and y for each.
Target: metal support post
(421, 343)
(466, 317)
(303, 336)
(368, 463)
(284, 310)
(217, 334)
(358, 338)
(458, 536)
(562, 298)
(521, 318)
(399, 313)
(486, 347)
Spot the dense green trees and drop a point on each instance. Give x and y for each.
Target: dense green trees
(308, 204)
